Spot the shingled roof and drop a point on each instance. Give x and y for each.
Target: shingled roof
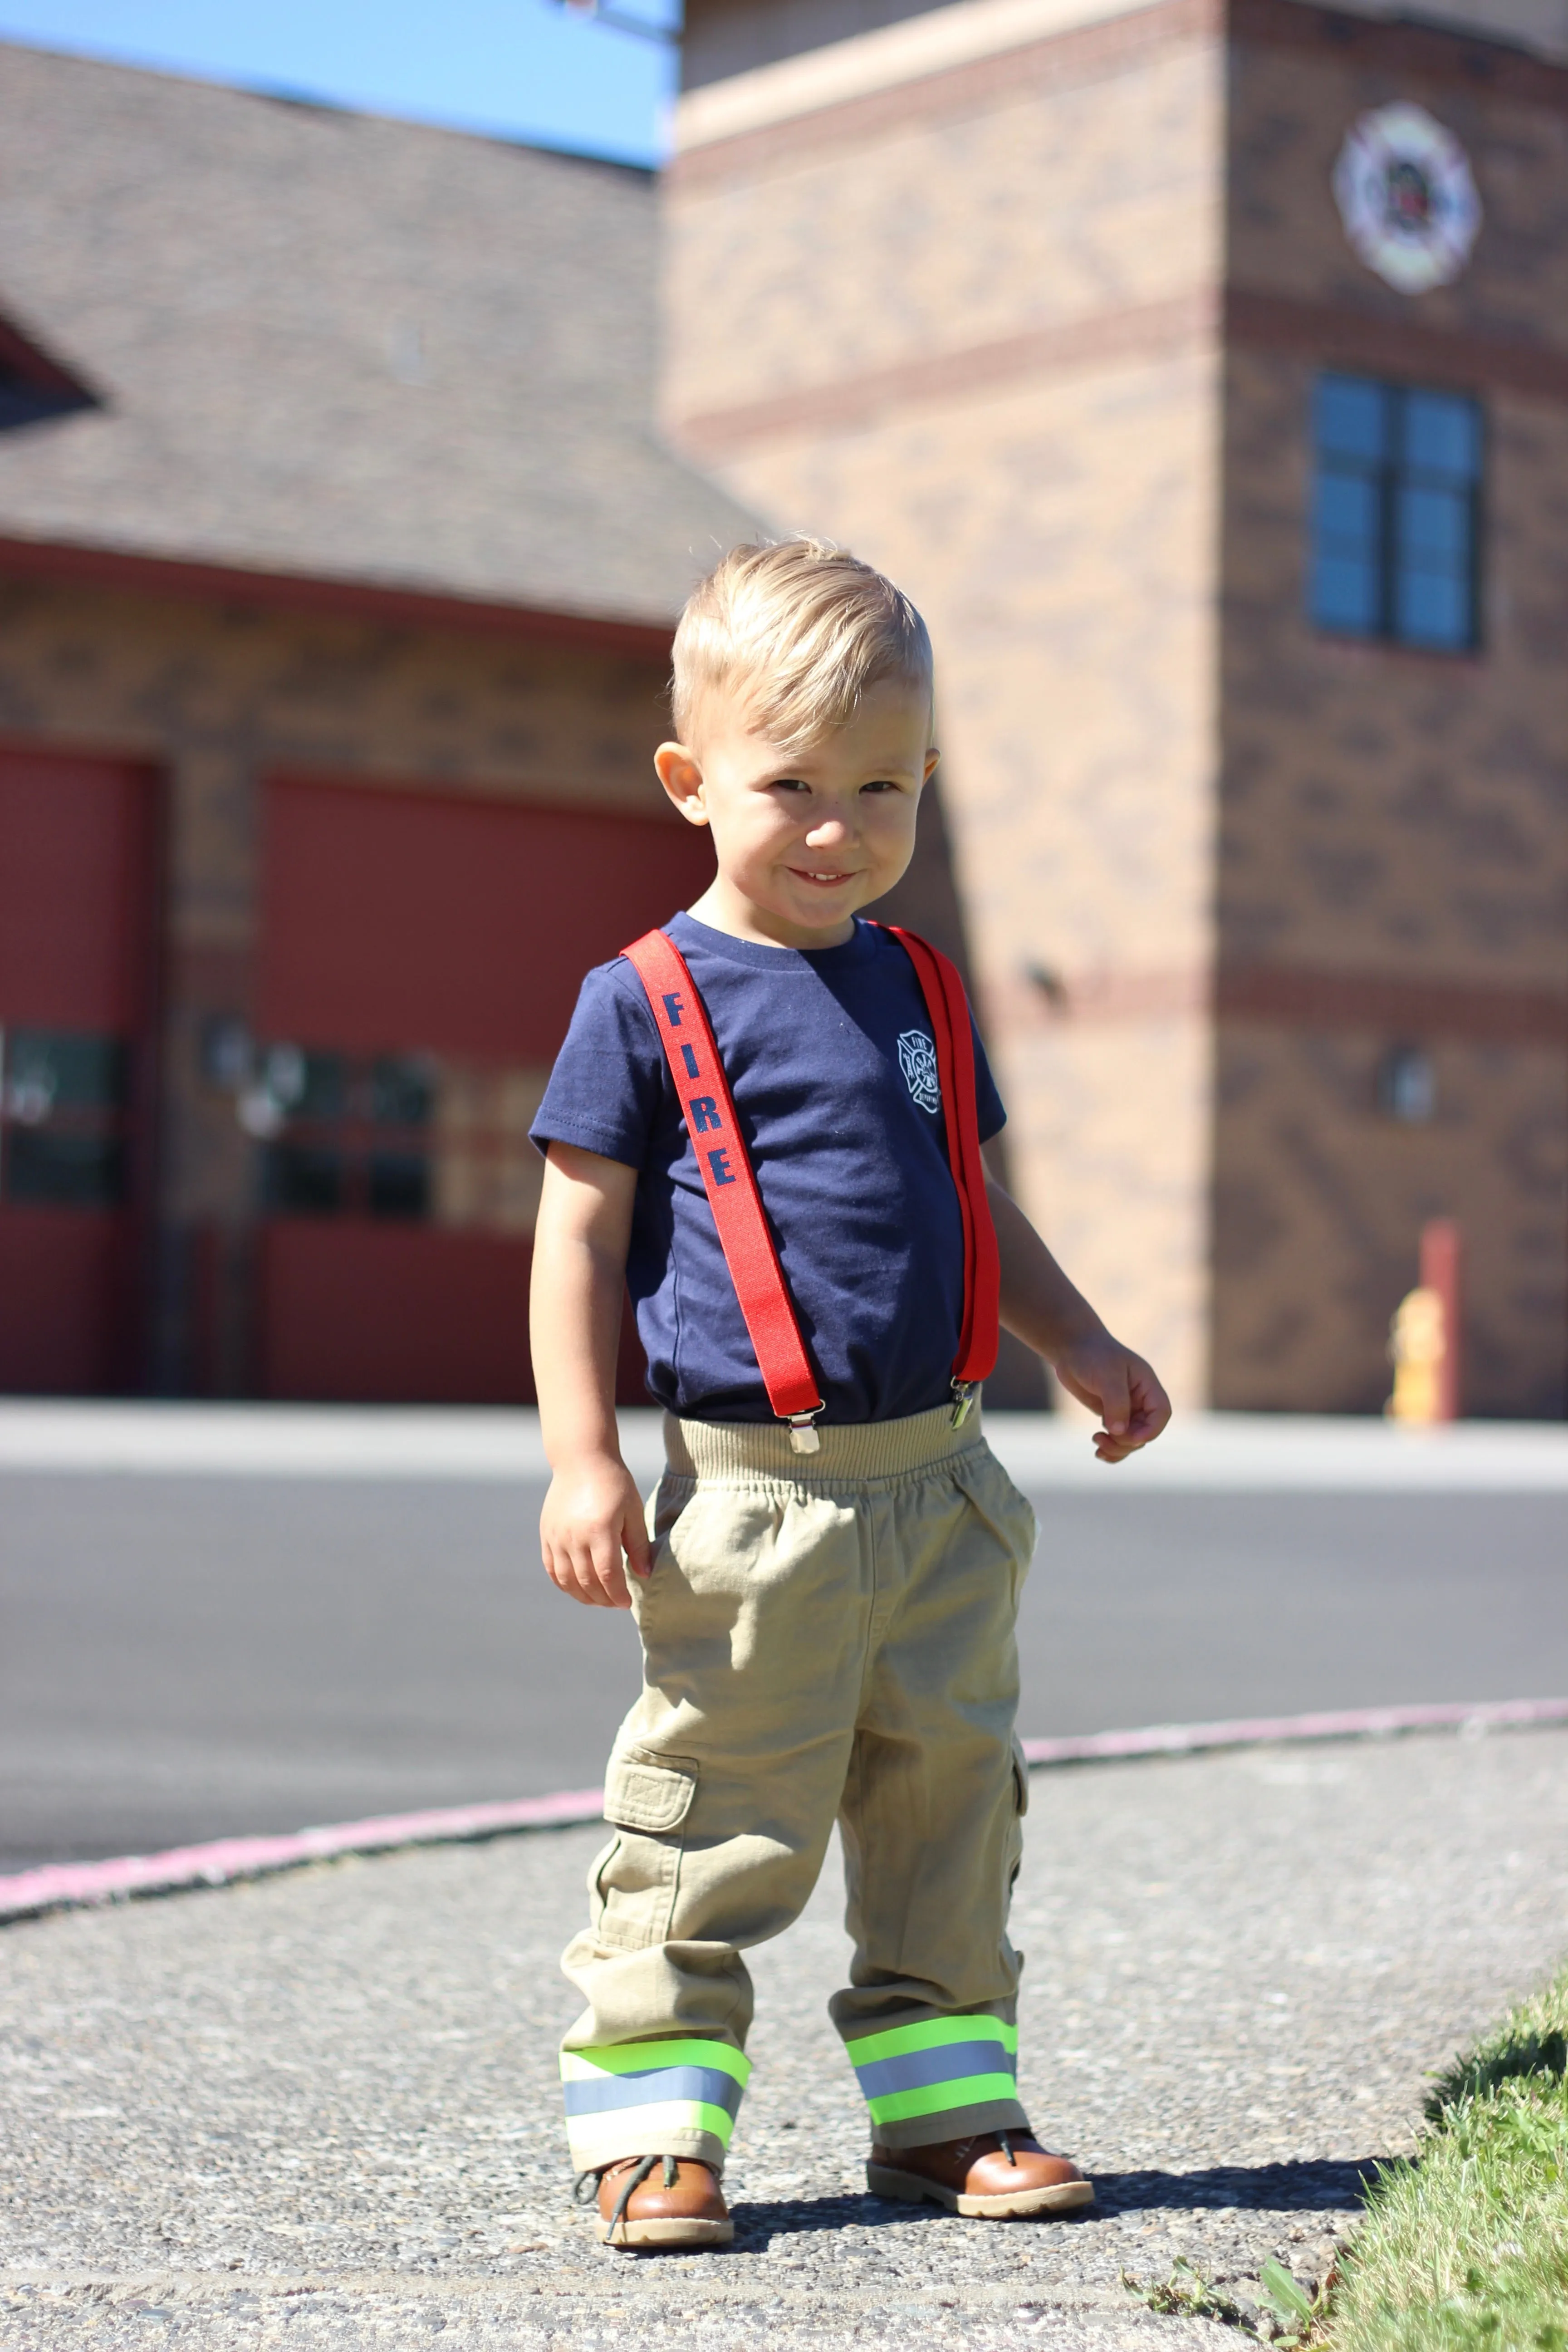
(326, 344)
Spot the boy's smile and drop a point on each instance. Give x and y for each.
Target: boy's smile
(803, 840)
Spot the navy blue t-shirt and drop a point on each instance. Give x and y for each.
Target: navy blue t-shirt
(832, 1065)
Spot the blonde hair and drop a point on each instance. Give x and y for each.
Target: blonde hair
(802, 630)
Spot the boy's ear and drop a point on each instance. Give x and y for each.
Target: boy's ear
(932, 756)
(681, 777)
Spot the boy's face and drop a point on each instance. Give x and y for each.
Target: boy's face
(803, 841)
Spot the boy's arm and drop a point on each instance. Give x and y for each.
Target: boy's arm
(1040, 1307)
(593, 1512)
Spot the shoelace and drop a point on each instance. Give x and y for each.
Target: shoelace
(961, 2147)
(585, 2188)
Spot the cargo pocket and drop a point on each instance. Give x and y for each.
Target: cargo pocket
(635, 1880)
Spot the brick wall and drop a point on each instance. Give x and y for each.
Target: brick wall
(218, 697)
(1395, 831)
(1037, 332)
(967, 325)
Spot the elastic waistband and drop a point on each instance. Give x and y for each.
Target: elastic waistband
(850, 1452)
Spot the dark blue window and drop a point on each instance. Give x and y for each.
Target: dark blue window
(1396, 513)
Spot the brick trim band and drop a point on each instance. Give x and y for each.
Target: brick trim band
(1057, 60)
(1447, 56)
(1393, 1006)
(1289, 996)
(1147, 330)
(1394, 343)
(1323, 333)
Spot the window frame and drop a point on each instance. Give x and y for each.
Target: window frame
(1391, 475)
(334, 1119)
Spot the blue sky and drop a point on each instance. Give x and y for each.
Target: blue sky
(520, 69)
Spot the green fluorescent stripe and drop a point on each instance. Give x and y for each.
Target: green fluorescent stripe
(676, 2115)
(643, 2057)
(930, 2034)
(935, 2098)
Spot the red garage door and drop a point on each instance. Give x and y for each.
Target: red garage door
(76, 972)
(421, 956)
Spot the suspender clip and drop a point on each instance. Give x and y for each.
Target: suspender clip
(963, 1395)
(803, 1437)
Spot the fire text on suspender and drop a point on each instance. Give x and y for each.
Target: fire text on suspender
(703, 1091)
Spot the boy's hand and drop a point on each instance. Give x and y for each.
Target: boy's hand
(593, 1514)
(1121, 1387)
(1041, 1306)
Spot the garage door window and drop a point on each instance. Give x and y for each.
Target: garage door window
(420, 1138)
(64, 1100)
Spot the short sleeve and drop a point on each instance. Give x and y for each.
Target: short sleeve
(991, 1117)
(607, 1089)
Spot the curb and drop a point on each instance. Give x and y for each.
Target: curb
(67, 1885)
(70, 1885)
(1474, 1717)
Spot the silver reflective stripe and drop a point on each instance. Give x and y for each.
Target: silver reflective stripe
(614, 2091)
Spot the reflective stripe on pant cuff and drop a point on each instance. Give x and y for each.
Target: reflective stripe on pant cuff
(677, 2097)
(941, 2064)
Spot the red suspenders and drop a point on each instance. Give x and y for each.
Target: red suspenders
(731, 1186)
(949, 1009)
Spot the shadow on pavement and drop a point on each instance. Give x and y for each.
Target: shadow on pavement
(1301, 2186)
(757, 2224)
(1305, 2186)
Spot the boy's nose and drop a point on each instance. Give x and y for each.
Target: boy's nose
(828, 832)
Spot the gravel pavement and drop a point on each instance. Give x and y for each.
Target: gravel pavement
(319, 2111)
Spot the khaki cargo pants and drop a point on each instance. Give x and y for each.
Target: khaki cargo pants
(825, 1636)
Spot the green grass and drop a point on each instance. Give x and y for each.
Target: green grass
(1465, 2249)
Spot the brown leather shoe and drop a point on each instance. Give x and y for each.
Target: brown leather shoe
(662, 2200)
(999, 2176)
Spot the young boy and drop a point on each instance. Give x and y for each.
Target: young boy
(826, 1600)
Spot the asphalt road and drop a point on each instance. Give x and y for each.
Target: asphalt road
(184, 1657)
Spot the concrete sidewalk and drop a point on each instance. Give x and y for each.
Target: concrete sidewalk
(321, 2109)
(1209, 1452)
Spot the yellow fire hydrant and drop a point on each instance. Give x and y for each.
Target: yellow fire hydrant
(1417, 1344)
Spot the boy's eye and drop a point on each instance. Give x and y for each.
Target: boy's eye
(880, 784)
(790, 784)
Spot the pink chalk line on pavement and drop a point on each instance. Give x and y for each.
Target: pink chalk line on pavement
(1262, 1730)
(63, 1885)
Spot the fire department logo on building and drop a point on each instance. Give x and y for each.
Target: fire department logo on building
(1405, 192)
(917, 1059)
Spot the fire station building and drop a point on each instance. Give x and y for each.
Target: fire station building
(1201, 366)
(338, 560)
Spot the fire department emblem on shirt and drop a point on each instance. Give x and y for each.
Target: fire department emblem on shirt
(917, 1059)
(1405, 196)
